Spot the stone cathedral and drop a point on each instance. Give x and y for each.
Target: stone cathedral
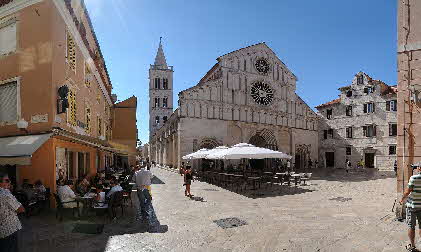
(247, 96)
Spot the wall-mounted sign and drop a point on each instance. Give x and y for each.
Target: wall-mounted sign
(39, 118)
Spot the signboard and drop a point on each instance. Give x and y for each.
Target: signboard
(39, 118)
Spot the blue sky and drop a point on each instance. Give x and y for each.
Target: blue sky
(324, 43)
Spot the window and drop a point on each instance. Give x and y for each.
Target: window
(360, 79)
(7, 37)
(157, 83)
(157, 120)
(99, 126)
(165, 83)
(349, 110)
(72, 108)
(349, 93)
(392, 149)
(391, 105)
(88, 75)
(348, 151)
(164, 119)
(71, 51)
(88, 119)
(369, 107)
(369, 130)
(156, 103)
(164, 102)
(8, 102)
(328, 134)
(369, 90)
(329, 113)
(245, 67)
(106, 131)
(349, 132)
(393, 129)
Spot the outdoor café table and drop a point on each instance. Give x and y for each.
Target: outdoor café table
(86, 201)
(297, 178)
(254, 179)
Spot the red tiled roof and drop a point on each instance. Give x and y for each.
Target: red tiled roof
(391, 90)
(338, 100)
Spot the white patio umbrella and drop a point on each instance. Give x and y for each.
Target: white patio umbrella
(196, 155)
(248, 151)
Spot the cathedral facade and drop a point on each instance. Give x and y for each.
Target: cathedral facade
(247, 96)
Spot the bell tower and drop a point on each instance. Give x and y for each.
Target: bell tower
(160, 91)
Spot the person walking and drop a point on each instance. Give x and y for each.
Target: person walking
(188, 178)
(146, 211)
(348, 165)
(9, 210)
(413, 207)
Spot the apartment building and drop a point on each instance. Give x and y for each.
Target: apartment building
(56, 108)
(360, 125)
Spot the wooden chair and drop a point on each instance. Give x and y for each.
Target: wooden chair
(306, 177)
(60, 207)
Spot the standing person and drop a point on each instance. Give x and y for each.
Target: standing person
(182, 169)
(310, 164)
(188, 177)
(413, 207)
(348, 165)
(288, 166)
(146, 212)
(395, 167)
(9, 208)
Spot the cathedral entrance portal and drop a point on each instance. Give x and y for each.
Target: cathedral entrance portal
(265, 139)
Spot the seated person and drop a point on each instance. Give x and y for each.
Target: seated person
(92, 193)
(81, 187)
(28, 190)
(39, 187)
(115, 187)
(100, 196)
(66, 194)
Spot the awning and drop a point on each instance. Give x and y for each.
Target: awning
(18, 150)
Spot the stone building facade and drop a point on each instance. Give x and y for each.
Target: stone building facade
(40, 72)
(247, 96)
(409, 86)
(360, 125)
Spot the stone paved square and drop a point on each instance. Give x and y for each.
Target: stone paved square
(302, 218)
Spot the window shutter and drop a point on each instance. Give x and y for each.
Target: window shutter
(350, 133)
(8, 102)
(325, 134)
(365, 108)
(374, 130)
(395, 107)
(8, 39)
(374, 107)
(365, 131)
(387, 105)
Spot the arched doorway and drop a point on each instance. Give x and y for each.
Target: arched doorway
(302, 156)
(265, 139)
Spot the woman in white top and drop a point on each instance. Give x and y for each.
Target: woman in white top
(100, 196)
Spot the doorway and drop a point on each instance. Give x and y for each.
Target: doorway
(330, 159)
(369, 160)
(297, 165)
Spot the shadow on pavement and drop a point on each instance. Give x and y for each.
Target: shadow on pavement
(155, 180)
(44, 233)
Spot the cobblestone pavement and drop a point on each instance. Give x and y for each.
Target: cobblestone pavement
(341, 212)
